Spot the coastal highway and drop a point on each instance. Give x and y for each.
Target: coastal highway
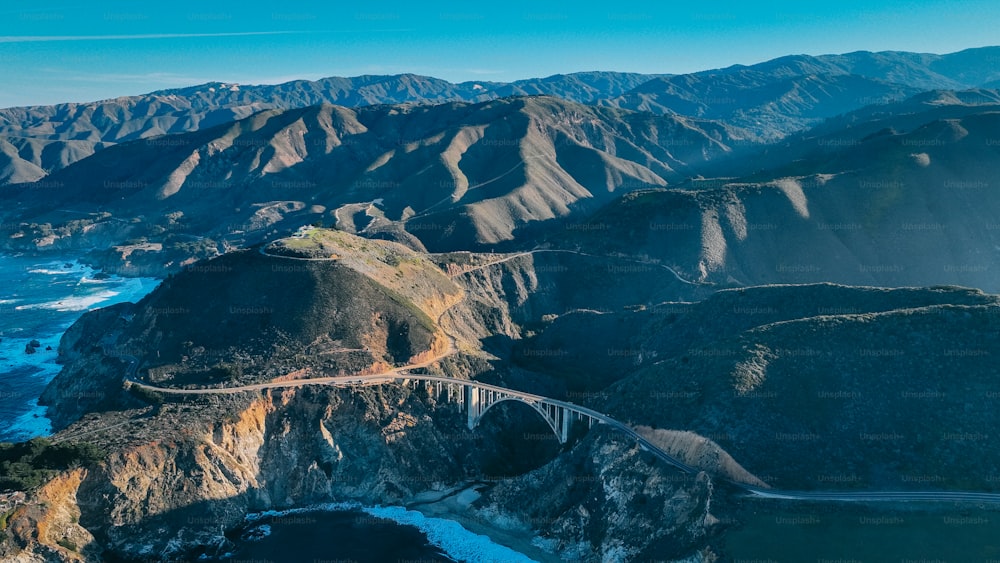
(959, 497)
(403, 372)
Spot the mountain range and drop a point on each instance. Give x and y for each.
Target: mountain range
(756, 268)
(434, 176)
(769, 100)
(901, 195)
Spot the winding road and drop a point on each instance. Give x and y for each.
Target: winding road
(507, 258)
(403, 373)
(515, 255)
(399, 374)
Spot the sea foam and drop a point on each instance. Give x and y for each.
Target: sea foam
(457, 542)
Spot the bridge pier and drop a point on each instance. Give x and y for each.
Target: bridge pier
(472, 406)
(475, 400)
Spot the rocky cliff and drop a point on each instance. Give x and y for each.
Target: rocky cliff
(182, 477)
(182, 470)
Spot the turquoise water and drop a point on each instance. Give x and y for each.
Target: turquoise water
(39, 299)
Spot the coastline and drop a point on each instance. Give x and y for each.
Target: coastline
(461, 538)
(40, 298)
(455, 504)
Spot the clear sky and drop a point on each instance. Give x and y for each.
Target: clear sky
(77, 50)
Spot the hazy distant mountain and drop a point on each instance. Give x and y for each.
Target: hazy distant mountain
(188, 109)
(904, 115)
(770, 105)
(584, 87)
(445, 176)
(772, 99)
(837, 133)
(792, 93)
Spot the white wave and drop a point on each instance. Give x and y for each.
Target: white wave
(325, 507)
(48, 272)
(9, 301)
(78, 303)
(12, 353)
(450, 536)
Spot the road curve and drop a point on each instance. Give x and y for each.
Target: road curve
(506, 258)
(515, 255)
(877, 496)
(964, 497)
(402, 372)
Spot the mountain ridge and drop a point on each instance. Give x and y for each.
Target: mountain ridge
(443, 176)
(792, 93)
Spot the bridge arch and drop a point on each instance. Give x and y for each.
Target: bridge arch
(476, 398)
(535, 406)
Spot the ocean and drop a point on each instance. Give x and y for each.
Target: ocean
(39, 299)
(349, 532)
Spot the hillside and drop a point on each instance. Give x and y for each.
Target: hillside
(888, 389)
(28, 159)
(446, 177)
(641, 336)
(899, 399)
(911, 208)
(246, 317)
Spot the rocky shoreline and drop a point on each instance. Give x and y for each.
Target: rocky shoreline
(457, 503)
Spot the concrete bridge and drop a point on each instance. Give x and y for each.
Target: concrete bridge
(476, 398)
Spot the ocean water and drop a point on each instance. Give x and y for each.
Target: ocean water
(349, 532)
(39, 299)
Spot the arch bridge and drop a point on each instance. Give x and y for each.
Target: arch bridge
(475, 399)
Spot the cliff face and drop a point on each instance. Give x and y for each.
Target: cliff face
(91, 381)
(189, 477)
(174, 492)
(184, 469)
(49, 528)
(607, 500)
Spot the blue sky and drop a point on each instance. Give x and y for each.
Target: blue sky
(59, 50)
